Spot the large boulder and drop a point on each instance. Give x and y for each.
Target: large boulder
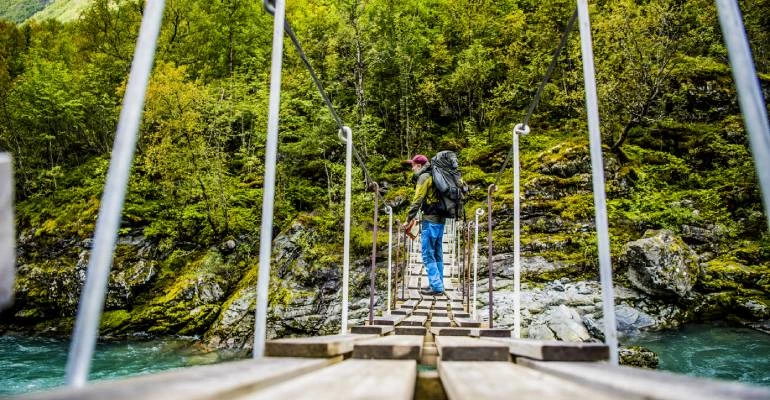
(661, 264)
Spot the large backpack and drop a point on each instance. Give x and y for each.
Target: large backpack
(448, 184)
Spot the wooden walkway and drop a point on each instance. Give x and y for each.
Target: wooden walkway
(426, 348)
(381, 362)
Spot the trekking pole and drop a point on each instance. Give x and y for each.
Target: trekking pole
(479, 212)
(374, 187)
(490, 189)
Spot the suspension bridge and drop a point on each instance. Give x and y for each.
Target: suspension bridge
(421, 346)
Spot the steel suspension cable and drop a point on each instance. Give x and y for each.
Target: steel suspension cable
(289, 31)
(268, 197)
(597, 175)
(749, 93)
(107, 225)
(541, 88)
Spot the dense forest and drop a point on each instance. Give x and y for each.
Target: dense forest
(413, 76)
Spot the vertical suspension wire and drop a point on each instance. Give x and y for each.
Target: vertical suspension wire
(348, 139)
(479, 212)
(372, 273)
(268, 191)
(389, 210)
(749, 93)
(7, 232)
(520, 129)
(111, 208)
(597, 169)
(490, 264)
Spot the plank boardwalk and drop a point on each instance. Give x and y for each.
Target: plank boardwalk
(321, 346)
(380, 361)
(415, 320)
(440, 321)
(371, 329)
(395, 347)
(457, 348)
(631, 382)
(552, 350)
(202, 382)
(352, 379)
(388, 319)
(505, 381)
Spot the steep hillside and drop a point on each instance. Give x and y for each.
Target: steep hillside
(20, 10)
(62, 10)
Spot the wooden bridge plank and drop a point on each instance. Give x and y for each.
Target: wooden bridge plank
(411, 330)
(401, 311)
(351, 379)
(415, 320)
(643, 383)
(411, 304)
(440, 322)
(440, 305)
(457, 348)
(219, 381)
(424, 305)
(319, 346)
(491, 333)
(505, 381)
(421, 312)
(467, 322)
(395, 347)
(371, 329)
(461, 315)
(439, 313)
(553, 350)
(388, 320)
(451, 331)
(414, 282)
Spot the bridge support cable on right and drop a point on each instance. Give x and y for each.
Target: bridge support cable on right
(749, 93)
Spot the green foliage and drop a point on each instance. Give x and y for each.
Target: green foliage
(409, 77)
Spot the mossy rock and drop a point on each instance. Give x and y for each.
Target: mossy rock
(638, 356)
(720, 275)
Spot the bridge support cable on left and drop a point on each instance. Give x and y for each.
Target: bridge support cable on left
(268, 197)
(7, 232)
(597, 174)
(111, 205)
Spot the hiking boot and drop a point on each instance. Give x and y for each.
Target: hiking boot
(430, 292)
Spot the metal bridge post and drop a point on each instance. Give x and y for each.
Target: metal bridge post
(107, 225)
(749, 93)
(479, 212)
(374, 187)
(389, 210)
(597, 167)
(346, 236)
(520, 129)
(490, 189)
(7, 232)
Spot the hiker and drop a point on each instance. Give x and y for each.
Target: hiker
(426, 199)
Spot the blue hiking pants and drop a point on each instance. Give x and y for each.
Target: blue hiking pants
(432, 254)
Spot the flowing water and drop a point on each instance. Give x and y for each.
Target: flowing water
(716, 351)
(30, 364)
(720, 351)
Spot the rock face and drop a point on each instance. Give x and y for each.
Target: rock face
(661, 264)
(637, 356)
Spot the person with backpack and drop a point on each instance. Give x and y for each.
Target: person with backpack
(427, 200)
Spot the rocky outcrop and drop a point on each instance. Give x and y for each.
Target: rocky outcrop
(637, 356)
(660, 264)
